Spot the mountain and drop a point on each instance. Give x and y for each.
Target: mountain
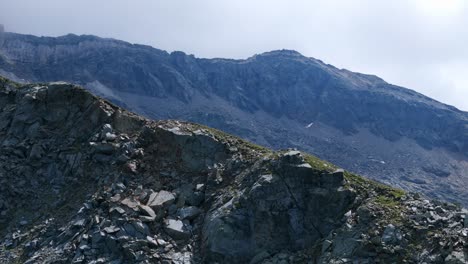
(84, 181)
(279, 99)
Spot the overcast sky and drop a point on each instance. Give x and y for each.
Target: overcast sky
(419, 44)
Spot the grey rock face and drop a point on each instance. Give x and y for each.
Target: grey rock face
(190, 194)
(279, 99)
(278, 211)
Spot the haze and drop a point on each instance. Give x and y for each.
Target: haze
(419, 44)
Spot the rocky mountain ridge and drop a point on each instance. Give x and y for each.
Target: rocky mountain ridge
(278, 99)
(84, 181)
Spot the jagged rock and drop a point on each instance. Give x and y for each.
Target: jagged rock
(117, 209)
(111, 229)
(37, 152)
(189, 212)
(176, 229)
(130, 202)
(391, 235)
(456, 257)
(293, 157)
(277, 201)
(110, 137)
(106, 128)
(141, 227)
(104, 148)
(161, 199)
(225, 205)
(149, 216)
(326, 245)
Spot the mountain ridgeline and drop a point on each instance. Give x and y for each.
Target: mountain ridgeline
(84, 181)
(278, 99)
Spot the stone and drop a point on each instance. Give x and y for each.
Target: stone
(149, 214)
(106, 128)
(37, 152)
(32, 245)
(131, 229)
(326, 245)
(79, 223)
(391, 235)
(131, 167)
(161, 242)
(200, 187)
(152, 241)
(130, 202)
(190, 212)
(111, 229)
(456, 257)
(110, 136)
(141, 227)
(161, 199)
(117, 209)
(104, 148)
(332, 180)
(176, 229)
(115, 198)
(97, 239)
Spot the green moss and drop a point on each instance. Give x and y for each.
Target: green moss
(220, 135)
(392, 209)
(359, 182)
(396, 193)
(319, 164)
(386, 201)
(4, 82)
(356, 180)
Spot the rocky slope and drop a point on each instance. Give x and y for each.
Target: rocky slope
(277, 99)
(84, 181)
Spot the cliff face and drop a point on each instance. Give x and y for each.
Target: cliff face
(84, 181)
(278, 99)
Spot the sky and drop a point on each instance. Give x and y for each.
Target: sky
(418, 44)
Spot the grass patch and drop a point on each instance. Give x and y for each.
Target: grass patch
(4, 82)
(386, 201)
(319, 164)
(361, 183)
(223, 136)
(392, 209)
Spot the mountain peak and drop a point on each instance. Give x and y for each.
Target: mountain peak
(282, 52)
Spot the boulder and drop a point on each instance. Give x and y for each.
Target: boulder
(190, 212)
(391, 235)
(176, 229)
(148, 214)
(161, 199)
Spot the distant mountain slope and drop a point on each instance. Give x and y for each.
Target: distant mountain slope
(278, 99)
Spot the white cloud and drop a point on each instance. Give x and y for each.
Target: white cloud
(420, 44)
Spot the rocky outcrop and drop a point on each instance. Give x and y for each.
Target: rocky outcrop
(278, 99)
(83, 181)
(278, 211)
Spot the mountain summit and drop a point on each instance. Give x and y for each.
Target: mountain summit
(278, 99)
